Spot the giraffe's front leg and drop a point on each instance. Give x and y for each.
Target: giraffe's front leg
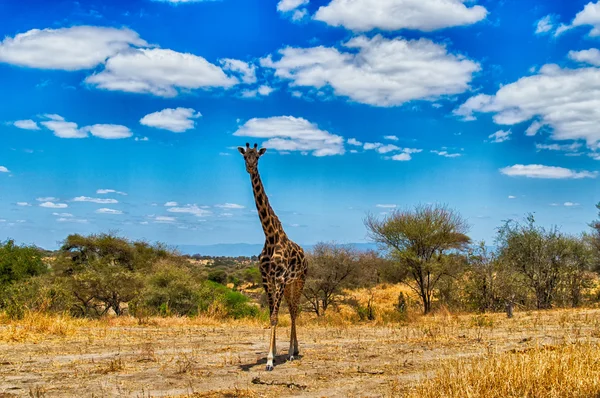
(272, 348)
(276, 301)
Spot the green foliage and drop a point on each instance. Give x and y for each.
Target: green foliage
(218, 276)
(545, 258)
(421, 242)
(38, 294)
(19, 262)
(252, 275)
(170, 290)
(214, 298)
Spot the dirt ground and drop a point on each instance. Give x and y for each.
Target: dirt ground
(184, 358)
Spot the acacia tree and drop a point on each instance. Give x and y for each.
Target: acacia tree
(537, 253)
(104, 271)
(576, 268)
(333, 268)
(421, 242)
(482, 290)
(595, 239)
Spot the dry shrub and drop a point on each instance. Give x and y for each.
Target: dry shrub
(35, 326)
(568, 370)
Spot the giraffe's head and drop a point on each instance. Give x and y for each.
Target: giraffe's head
(251, 156)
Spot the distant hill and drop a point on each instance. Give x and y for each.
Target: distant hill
(245, 249)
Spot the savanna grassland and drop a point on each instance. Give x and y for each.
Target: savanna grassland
(551, 353)
(431, 314)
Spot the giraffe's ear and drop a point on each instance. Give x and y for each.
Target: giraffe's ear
(242, 150)
(262, 151)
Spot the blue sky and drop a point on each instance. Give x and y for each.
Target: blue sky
(125, 115)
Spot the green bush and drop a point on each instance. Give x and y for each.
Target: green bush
(170, 290)
(218, 276)
(214, 298)
(19, 262)
(37, 294)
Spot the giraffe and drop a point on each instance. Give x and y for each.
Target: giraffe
(282, 263)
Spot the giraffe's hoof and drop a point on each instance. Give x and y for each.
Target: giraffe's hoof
(291, 358)
(269, 368)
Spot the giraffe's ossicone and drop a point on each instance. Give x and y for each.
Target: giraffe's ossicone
(282, 263)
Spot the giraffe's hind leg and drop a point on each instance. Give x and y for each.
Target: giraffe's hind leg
(293, 294)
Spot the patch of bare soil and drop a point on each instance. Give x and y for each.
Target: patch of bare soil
(229, 360)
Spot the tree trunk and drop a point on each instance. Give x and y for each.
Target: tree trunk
(509, 309)
(426, 304)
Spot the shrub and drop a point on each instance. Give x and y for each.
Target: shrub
(169, 290)
(218, 276)
(216, 299)
(37, 294)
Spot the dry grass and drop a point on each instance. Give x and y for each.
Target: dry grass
(536, 354)
(566, 370)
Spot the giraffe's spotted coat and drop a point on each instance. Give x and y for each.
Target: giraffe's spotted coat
(282, 263)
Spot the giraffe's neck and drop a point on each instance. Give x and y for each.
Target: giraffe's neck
(270, 223)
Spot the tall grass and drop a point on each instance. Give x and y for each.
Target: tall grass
(567, 370)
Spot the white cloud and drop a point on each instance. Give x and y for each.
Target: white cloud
(567, 100)
(556, 147)
(73, 220)
(423, 15)
(51, 205)
(512, 197)
(354, 141)
(75, 48)
(589, 16)
(544, 25)
(500, 136)
(95, 200)
(402, 157)
(246, 71)
(190, 209)
(591, 56)
(24, 204)
(176, 120)
(47, 199)
(3, 169)
(171, 204)
(108, 211)
(108, 131)
(548, 172)
(299, 14)
(288, 133)
(388, 148)
(164, 219)
(142, 139)
(63, 129)
(371, 145)
(107, 191)
(391, 138)
(446, 154)
(26, 124)
(64, 215)
(226, 215)
(377, 71)
(230, 206)
(290, 5)
(160, 72)
(294, 7)
(265, 90)
(571, 204)
(386, 206)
